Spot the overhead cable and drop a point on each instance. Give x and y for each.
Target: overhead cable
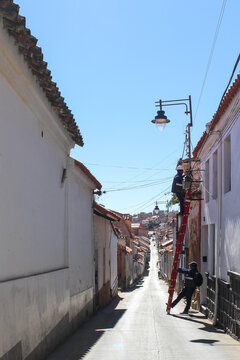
(150, 200)
(166, 180)
(211, 54)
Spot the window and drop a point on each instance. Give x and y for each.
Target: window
(227, 164)
(207, 181)
(215, 176)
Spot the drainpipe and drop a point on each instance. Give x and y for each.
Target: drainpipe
(219, 235)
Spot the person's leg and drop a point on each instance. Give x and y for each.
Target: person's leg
(180, 296)
(181, 198)
(189, 294)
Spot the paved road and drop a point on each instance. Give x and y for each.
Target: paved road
(136, 327)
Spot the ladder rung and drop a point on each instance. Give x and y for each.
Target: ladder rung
(179, 246)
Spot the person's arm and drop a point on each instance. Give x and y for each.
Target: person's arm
(184, 270)
(174, 185)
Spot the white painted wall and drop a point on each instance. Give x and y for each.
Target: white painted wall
(231, 207)
(46, 256)
(224, 211)
(113, 258)
(102, 231)
(30, 308)
(81, 243)
(32, 206)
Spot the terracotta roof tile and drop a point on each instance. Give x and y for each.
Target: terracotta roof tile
(107, 213)
(128, 250)
(221, 110)
(167, 243)
(123, 227)
(88, 173)
(15, 24)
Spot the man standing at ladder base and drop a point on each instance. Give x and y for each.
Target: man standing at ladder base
(177, 187)
(189, 286)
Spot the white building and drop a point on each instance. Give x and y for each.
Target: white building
(46, 219)
(219, 153)
(81, 184)
(105, 238)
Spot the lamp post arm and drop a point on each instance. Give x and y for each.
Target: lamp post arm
(173, 104)
(162, 103)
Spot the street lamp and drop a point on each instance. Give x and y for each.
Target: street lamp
(156, 209)
(161, 118)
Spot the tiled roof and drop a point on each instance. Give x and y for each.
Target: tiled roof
(142, 243)
(104, 212)
(166, 249)
(122, 226)
(127, 216)
(139, 226)
(167, 243)
(221, 110)
(125, 248)
(128, 250)
(88, 173)
(33, 56)
(143, 238)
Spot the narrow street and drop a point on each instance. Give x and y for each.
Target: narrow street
(135, 326)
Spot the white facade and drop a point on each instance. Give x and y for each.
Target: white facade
(81, 241)
(220, 159)
(102, 231)
(33, 154)
(113, 265)
(46, 257)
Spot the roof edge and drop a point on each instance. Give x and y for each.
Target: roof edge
(87, 172)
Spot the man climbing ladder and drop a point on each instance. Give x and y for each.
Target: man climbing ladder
(179, 246)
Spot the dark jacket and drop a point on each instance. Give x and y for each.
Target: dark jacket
(177, 185)
(190, 280)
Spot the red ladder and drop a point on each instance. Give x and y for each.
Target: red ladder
(179, 246)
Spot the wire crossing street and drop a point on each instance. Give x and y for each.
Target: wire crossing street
(135, 326)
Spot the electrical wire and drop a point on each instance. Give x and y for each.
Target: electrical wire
(163, 181)
(150, 200)
(140, 204)
(143, 172)
(126, 167)
(134, 182)
(211, 54)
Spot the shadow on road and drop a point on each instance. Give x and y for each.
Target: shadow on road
(80, 343)
(137, 284)
(204, 341)
(197, 318)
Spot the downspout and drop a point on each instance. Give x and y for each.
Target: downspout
(219, 235)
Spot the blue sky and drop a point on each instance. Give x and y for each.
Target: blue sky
(112, 59)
